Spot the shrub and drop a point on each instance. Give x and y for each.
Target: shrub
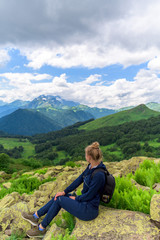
(16, 236)
(127, 196)
(70, 224)
(4, 161)
(32, 163)
(41, 171)
(148, 173)
(24, 184)
(65, 237)
(70, 164)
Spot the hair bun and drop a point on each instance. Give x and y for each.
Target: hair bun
(95, 145)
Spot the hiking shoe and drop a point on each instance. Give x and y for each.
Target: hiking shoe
(35, 232)
(29, 217)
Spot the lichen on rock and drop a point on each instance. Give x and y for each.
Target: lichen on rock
(116, 224)
(155, 207)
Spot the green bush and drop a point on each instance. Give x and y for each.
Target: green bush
(65, 237)
(127, 196)
(24, 184)
(4, 162)
(70, 164)
(148, 173)
(41, 171)
(32, 163)
(70, 220)
(16, 236)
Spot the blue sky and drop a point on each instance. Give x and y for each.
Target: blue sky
(104, 57)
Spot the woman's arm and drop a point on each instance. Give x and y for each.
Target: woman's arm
(74, 184)
(96, 183)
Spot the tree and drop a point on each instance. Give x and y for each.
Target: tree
(4, 161)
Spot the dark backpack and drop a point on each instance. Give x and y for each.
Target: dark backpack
(109, 185)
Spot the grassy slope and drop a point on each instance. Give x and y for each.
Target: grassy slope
(134, 114)
(9, 143)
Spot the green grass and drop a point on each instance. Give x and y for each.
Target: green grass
(117, 153)
(23, 184)
(134, 114)
(9, 143)
(61, 155)
(152, 143)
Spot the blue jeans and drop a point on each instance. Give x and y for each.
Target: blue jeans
(81, 210)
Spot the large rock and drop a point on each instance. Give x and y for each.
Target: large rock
(155, 208)
(10, 218)
(114, 224)
(7, 201)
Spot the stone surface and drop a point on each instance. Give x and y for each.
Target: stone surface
(114, 224)
(155, 207)
(10, 218)
(7, 201)
(156, 187)
(7, 185)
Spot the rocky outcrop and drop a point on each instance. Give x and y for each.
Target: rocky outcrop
(113, 224)
(155, 207)
(110, 224)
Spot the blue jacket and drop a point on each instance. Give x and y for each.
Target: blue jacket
(92, 187)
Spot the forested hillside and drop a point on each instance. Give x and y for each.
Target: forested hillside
(134, 138)
(122, 141)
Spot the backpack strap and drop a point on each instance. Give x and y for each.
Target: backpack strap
(100, 170)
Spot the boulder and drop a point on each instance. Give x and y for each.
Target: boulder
(10, 218)
(114, 224)
(155, 208)
(7, 201)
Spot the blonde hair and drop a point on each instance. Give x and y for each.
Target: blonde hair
(94, 151)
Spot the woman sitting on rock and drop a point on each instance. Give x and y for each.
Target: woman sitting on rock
(84, 207)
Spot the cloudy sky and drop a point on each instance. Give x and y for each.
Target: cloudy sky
(100, 53)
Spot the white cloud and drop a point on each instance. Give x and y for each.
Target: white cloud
(4, 57)
(145, 88)
(154, 64)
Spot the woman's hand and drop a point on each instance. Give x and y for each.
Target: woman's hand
(72, 197)
(59, 194)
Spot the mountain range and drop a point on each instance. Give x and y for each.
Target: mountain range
(134, 114)
(51, 113)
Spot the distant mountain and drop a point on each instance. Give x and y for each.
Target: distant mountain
(134, 114)
(125, 108)
(59, 105)
(2, 103)
(8, 108)
(96, 112)
(50, 101)
(154, 106)
(27, 122)
(65, 117)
